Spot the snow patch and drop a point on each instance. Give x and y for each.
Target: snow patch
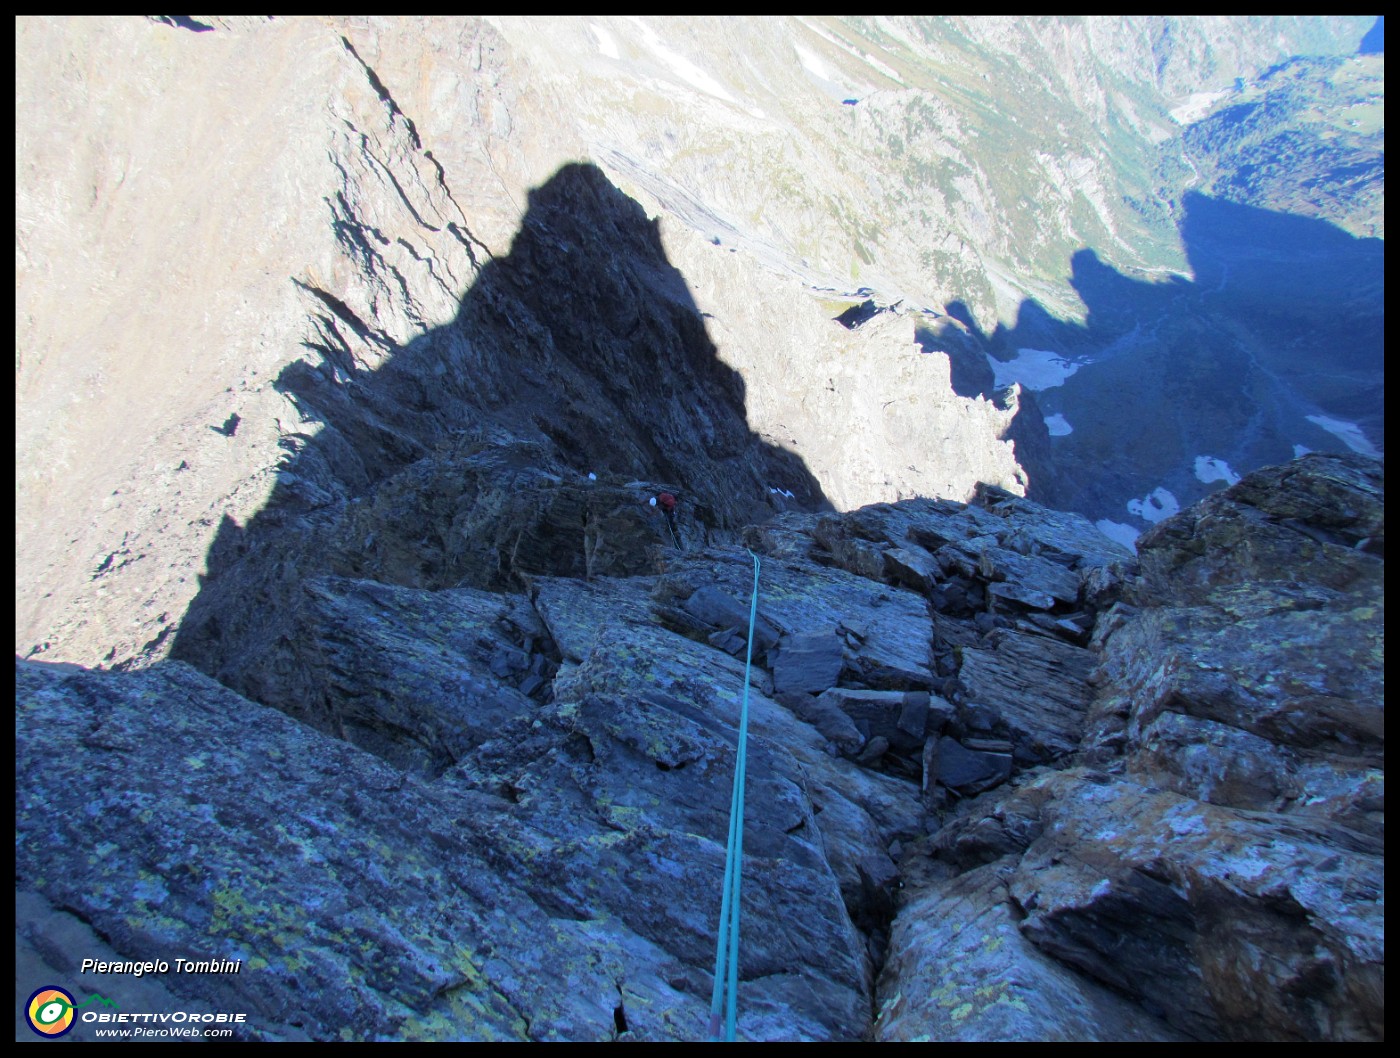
(1195, 107)
(606, 44)
(686, 70)
(813, 64)
(852, 50)
(1119, 533)
(1300, 450)
(1157, 505)
(1348, 433)
(1058, 425)
(1035, 369)
(1209, 469)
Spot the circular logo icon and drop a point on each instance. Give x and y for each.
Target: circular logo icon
(50, 1011)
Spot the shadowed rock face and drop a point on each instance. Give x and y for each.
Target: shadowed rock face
(507, 819)
(522, 438)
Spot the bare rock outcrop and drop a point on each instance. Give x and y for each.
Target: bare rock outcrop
(1215, 851)
(499, 813)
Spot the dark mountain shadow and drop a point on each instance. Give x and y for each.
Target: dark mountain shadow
(1373, 43)
(524, 438)
(966, 348)
(1283, 321)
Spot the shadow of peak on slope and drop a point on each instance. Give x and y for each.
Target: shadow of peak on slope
(1279, 330)
(463, 457)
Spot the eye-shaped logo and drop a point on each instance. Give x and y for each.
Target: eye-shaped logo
(50, 1011)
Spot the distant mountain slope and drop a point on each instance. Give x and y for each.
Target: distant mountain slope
(1307, 138)
(237, 191)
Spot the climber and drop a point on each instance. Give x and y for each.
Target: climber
(667, 503)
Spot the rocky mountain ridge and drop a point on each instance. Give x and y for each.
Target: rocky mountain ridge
(1006, 782)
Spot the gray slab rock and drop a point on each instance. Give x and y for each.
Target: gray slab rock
(360, 899)
(418, 678)
(1321, 517)
(1210, 914)
(1250, 671)
(525, 894)
(645, 659)
(1037, 687)
(808, 663)
(716, 608)
(1032, 573)
(576, 611)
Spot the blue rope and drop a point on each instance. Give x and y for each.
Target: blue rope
(726, 989)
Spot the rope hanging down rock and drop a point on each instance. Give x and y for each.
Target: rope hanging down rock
(726, 986)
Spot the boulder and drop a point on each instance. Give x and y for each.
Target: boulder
(900, 717)
(967, 770)
(1019, 593)
(713, 607)
(1037, 687)
(827, 717)
(809, 663)
(959, 970)
(912, 566)
(874, 750)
